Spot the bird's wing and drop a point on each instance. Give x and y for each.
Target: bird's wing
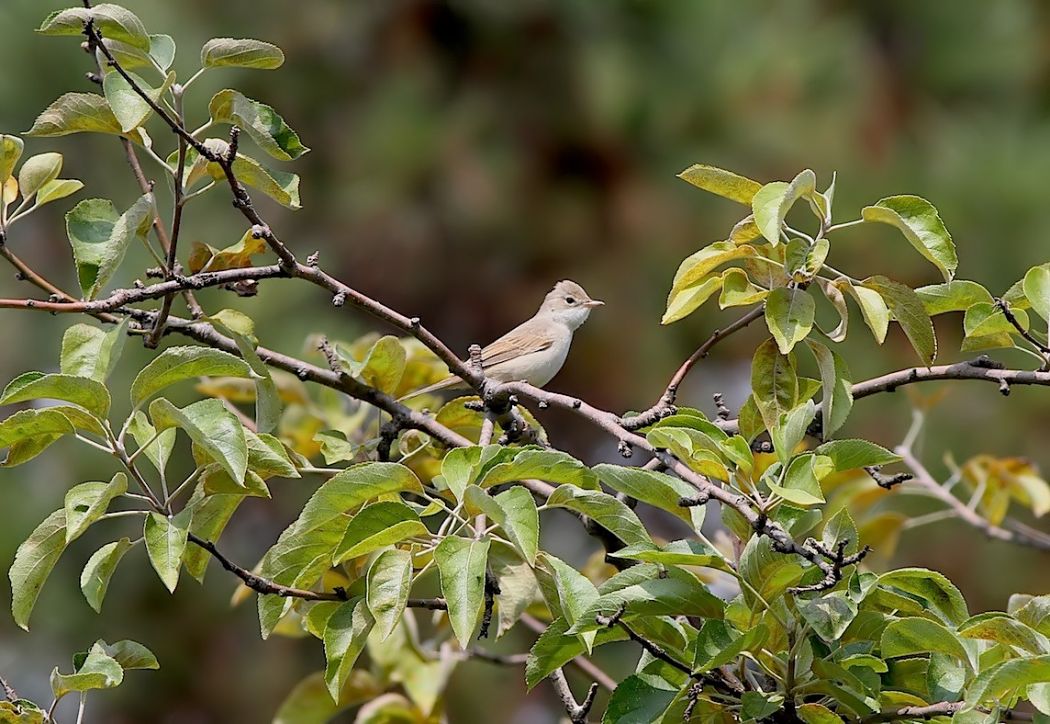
(520, 341)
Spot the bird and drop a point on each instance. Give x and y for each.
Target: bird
(535, 350)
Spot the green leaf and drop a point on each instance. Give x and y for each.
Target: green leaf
(130, 655)
(38, 171)
(389, 581)
(181, 363)
(757, 705)
(837, 398)
(817, 714)
(514, 511)
(995, 683)
(697, 266)
(774, 383)
(210, 516)
(1007, 630)
(310, 703)
(718, 644)
(34, 560)
(517, 585)
(802, 480)
(572, 596)
(94, 579)
(87, 502)
(656, 489)
(685, 300)
(938, 593)
(766, 571)
(111, 21)
(267, 397)
(921, 225)
(986, 319)
(724, 183)
(908, 310)
(89, 394)
(129, 108)
(98, 671)
(790, 430)
(344, 640)
(954, 296)
(377, 526)
(57, 189)
(680, 552)
(872, 307)
(162, 50)
(552, 466)
(789, 316)
(76, 113)
(88, 351)
(304, 550)
(829, 615)
(1036, 288)
(280, 186)
(915, 635)
(855, 454)
(211, 426)
(639, 699)
(29, 432)
(100, 238)
(10, 151)
(261, 122)
(461, 563)
(555, 648)
(241, 53)
(165, 543)
(383, 364)
(773, 201)
(738, 291)
(605, 510)
(158, 446)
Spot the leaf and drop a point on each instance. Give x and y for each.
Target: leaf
(773, 201)
(382, 366)
(129, 108)
(87, 502)
(986, 325)
(261, 122)
(181, 363)
(718, 644)
(211, 426)
(572, 596)
(789, 316)
(89, 394)
(940, 594)
(98, 671)
(684, 301)
(873, 308)
(639, 699)
(1006, 630)
(681, 552)
(908, 310)
(697, 266)
(389, 581)
(995, 683)
(34, 560)
(552, 466)
(766, 571)
(829, 615)
(158, 447)
(855, 454)
(130, 655)
(514, 511)
(162, 50)
(835, 379)
(554, 648)
(921, 225)
(304, 550)
(94, 579)
(100, 238)
(111, 21)
(377, 526)
(57, 189)
(656, 489)
(517, 585)
(88, 351)
(210, 516)
(724, 183)
(817, 714)
(165, 543)
(774, 382)
(802, 480)
(1036, 288)
(344, 640)
(915, 635)
(29, 432)
(38, 171)
(76, 113)
(790, 430)
(280, 186)
(461, 563)
(10, 151)
(738, 291)
(605, 510)
(241, 53)
(310, 703)
(954, 296)
(267, 397)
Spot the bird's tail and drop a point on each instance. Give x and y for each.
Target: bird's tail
(447, 383)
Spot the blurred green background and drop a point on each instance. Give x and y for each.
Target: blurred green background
(468, 154)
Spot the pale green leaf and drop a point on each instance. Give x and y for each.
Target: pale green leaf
(344, 640)
(34, 560)
(921, 225)
(260, 121)
(181, 363)
(389, 581)
(88, 351)
(377, 526)
(908, 310)
(724, 183)
(38, 171)
(241, 53)
(461, 564)
(165, 543)
(76, 113)
(88, 393)
(87, 502)
(789, 316)
(94, 579)
(773, 201)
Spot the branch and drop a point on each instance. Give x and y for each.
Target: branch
(577, 712)
(944, 708)
(962, 511)
(9, 691)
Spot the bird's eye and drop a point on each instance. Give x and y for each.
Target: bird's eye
(570, 300)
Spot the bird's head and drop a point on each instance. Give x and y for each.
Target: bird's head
(569, 303)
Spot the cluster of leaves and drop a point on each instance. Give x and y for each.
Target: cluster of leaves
(799, 633)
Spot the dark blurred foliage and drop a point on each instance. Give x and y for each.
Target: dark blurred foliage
(469, 154)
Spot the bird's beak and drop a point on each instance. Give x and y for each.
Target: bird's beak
(592, 303)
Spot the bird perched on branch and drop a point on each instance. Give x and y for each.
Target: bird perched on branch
(535, 350)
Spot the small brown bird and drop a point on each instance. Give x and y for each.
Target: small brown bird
(535, 350)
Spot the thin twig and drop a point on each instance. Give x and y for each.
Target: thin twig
(577, 712)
